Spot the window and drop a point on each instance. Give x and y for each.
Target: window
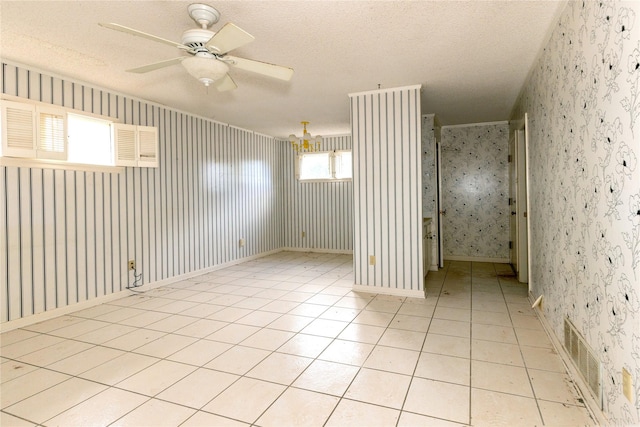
(43, 131)
(89, 140)
(33, 131)
(324, 166)
(343, 165)
(51, 130)
(315, 166)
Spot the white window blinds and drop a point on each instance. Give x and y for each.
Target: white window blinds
(52, 136)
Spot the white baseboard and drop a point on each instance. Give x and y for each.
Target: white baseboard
(56, 312)
(319, 250)
(592, 406)
(477, 259)
(389, 291)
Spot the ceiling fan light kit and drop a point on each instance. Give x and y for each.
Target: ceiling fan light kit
(204, 69)
(209, 62)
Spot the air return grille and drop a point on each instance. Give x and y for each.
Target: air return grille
(584, 358)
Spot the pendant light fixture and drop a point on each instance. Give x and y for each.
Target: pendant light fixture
(306, 143)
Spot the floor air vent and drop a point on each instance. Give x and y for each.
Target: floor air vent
(584, 358)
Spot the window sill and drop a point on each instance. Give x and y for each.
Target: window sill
(56, 164)
(325, 180)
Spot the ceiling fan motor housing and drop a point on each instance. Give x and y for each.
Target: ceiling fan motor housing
(197, 38)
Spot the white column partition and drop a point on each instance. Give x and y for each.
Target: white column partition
(386, 132)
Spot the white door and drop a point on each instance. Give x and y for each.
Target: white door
(519, 245)
(439, 207)
(521, 206)
(513, 191)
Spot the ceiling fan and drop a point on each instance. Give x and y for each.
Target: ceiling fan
(209, 60)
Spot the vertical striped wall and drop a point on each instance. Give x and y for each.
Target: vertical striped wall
(66, 235)
(387, 193)
(322, 210)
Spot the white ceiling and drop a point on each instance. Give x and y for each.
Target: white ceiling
(471, 57)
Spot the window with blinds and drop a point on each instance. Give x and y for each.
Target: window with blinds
(41, 131)
(52, 140)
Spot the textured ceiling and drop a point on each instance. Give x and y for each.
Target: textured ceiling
(471, 57)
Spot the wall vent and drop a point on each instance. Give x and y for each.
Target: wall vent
(584, 358)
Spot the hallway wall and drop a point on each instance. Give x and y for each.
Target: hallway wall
(583, 103)
(475, 191)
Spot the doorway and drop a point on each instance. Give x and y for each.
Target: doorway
(518, 201)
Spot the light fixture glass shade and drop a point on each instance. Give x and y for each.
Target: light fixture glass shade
(206, 70)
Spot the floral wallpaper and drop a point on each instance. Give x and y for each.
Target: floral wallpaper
(475, 191)
(429, 178)
(583, 105)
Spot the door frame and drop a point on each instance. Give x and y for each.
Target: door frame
(439, 210)
(519, 149)
(527, 189)
(513, 199)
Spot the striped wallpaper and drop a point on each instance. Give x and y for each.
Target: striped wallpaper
(66, 235)
(323, 210)
(387, 193)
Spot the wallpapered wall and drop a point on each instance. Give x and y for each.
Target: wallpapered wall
(429, 177)
(475, 191)
(583, 101)
(323, 210)
(67, 234)
(387, 190)
(430, 134)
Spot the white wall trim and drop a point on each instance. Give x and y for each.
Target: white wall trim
(477, 259)
(319, 250)
(466, 125)
(592, 406)
(50, 314)
(411, 293)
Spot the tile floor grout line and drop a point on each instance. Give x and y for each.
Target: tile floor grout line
(337, 293)
(415, 368)
(526, 368)
(470, 414)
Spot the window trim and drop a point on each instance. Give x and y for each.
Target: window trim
(27, 162)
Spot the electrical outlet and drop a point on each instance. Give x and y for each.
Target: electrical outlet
(627, 385)
(241, 243)
(372, 260)
(304, 234)
(132, 264)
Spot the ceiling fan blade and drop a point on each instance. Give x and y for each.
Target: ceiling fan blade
(226, 83)
(131, 31)
(271, 70)
(156, 65)
(228, 38)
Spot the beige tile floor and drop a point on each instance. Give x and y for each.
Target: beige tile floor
(283, 341)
